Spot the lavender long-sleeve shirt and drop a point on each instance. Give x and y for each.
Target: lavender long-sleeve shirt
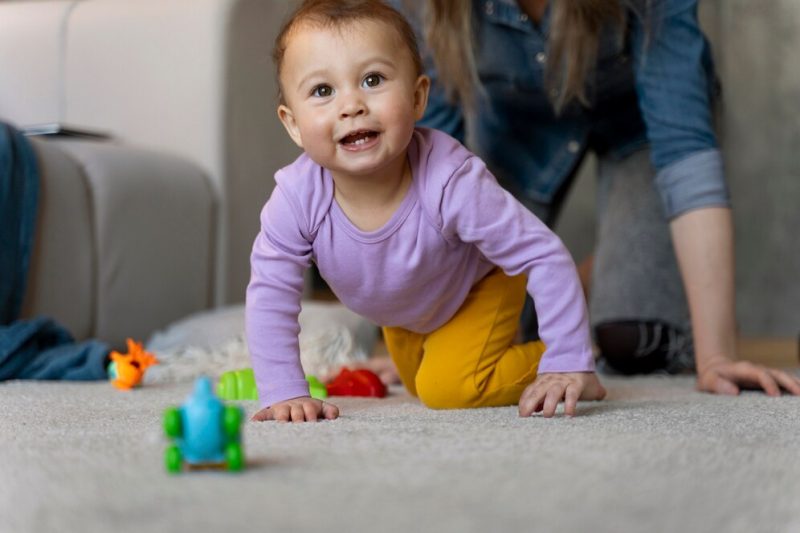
(453, 227)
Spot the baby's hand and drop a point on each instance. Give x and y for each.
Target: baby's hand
(548, 390)
(303, 409)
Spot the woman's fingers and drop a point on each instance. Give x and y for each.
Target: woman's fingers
(789, 382)
(750, 375)
(726, 378)
(724, 386)
(767, 382)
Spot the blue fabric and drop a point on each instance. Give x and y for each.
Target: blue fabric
(681, 193)
(19, 193)
(653, 87)
(42, 349)
(38, 348)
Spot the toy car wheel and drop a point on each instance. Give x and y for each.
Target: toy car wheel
(231, 420)
(172, 422)
(234, 456)
(173, 459)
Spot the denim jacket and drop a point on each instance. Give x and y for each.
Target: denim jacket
(654, 87)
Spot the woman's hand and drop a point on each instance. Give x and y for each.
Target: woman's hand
(303, 409)
(723, 376)
(544, 394)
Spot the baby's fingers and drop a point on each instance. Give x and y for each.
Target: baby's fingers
(554, 395)
(263, 415)
(571, 398)
(531, 399)
(282, 413)
(311, 411)
(329, 411)
(298, 413)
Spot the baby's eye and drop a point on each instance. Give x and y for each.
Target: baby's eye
(322, 91)
(372, 80)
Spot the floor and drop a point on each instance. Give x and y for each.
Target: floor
(655, 456)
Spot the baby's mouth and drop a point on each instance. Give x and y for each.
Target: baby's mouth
(359, 137)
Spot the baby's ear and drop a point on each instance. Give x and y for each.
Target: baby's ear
(421, 89)
(288, 121)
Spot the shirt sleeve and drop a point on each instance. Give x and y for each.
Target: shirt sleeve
(476, 210)
(675, 83)
(281, 254)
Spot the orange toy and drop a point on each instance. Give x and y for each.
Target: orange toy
(126, 370)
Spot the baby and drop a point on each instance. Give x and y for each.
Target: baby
(409, 229)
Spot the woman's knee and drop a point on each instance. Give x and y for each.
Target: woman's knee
(643, 347)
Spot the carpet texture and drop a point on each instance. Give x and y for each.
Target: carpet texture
(656, 456)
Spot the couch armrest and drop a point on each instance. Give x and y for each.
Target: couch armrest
(62, 268)
(149, 253)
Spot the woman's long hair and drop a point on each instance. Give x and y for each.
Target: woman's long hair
(575, 30)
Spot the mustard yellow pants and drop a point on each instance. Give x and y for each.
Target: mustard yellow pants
(471, 361)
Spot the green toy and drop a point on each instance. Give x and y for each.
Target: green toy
(241, 385)
(238, 385)
(316, 387)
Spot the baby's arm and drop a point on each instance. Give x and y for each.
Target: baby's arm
(281, 254)
(475, 209)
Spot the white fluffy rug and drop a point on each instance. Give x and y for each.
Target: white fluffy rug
(213, 342)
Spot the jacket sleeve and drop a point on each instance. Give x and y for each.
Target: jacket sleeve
(476, 210)
(675, 84)
(281, 254)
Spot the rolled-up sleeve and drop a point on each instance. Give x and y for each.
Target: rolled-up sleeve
(674, 82)
(694, 182)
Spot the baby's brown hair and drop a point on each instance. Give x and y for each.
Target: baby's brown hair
(339, 13)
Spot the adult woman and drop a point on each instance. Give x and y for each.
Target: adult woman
(533, 85)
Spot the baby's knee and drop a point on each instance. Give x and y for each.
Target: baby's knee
(438, 391)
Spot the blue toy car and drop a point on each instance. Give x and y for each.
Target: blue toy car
(204, 431)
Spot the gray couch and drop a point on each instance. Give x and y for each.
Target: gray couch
(155, 223)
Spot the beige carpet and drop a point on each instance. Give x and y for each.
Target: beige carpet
(656, 456)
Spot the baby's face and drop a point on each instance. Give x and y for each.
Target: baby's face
(352, 96)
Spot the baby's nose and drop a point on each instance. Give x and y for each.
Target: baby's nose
(353, 105)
